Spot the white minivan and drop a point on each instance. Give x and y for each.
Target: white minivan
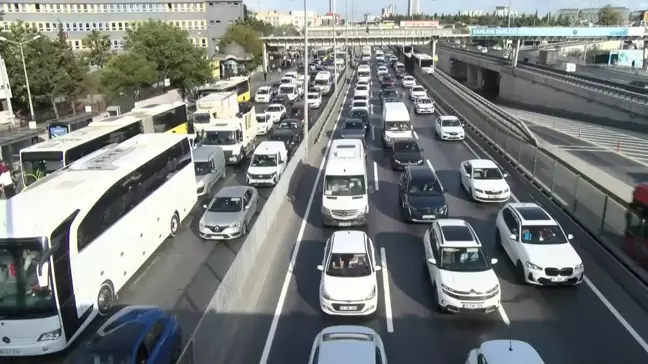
(345, 201)
(267, 164)
(396, 123)
(289, 89)
(323, 82)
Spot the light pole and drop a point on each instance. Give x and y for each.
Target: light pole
(306, 60)
(335, 78)
(22, 56)
(509, 14)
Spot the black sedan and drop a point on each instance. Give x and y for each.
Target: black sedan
(353, 129)
(297, 126)
(288, 137)
(421, 195)
(389, 93)
(386, 86)
(362, 115)
(405, 153)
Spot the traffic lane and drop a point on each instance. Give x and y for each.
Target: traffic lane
(570, 310)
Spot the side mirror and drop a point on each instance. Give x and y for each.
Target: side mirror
(467, 175)
(377, 268)
(43, 275)
(570, 236)
(513, 237)
(204, 206)
(505, 175)
(320, 268)
(494, 261)
(422, 150)
(247, 207)
(432, 261)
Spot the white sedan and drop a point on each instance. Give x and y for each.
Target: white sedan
(424, 105)
(449, 127)
(363, 83)
(360, 105)
(361, 90)
(314, 100)
(342, 344)
(417, 91)
(348, 286)
(382, 71)
(484, 181)
(276, 112)
(408, 82)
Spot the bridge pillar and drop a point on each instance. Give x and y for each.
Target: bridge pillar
(645, 56)
(516, 54)
(265, 58)
(474, 77)
(433, 47)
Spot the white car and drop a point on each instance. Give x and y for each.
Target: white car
(345, 344)
(361, 90)
(408, 82)
(361, 98)
(262, 96)
(417, 91)
(382, 71)
(264, 124)
(462, 277)
(292, 74)
(484, 181)
(276, 112)
(363, 83)
(424, 105)
(348, 286)
(360, 105)
(504, 351)
(537, 246)
(314, 100)
(484, 50)
(449, 127)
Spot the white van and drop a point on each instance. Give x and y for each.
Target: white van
(267, 163)
(396, 123)
(364, 73)
(289, 89)
(345, 201)
(323, 82)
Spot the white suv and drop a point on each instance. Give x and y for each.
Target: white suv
(448, 127)
(484, 181)
(348, 285)
(344, 344)
(462, 277)
(504, 351)
(382, 71)
(537, 246)
(417, 91)
(424, 105)
(263, 95)
(408, 82)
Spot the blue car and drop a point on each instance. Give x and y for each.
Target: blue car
(135, 335)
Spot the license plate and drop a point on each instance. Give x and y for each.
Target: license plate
(493, 197)
(9, 352)
(348, 308)
(429, 216)
(344, 224)
(473, 306)
(217, 237)
(558, 279)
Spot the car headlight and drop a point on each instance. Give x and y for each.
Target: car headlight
(506, 190)
(201, 225)
(446, 288)
(387, 138)
(579, 267)
(494, 289)
(478, 190)
(200, 183)
(325, 295)
(236, 225)
(50, 335)
(533, 266)
(372, 294)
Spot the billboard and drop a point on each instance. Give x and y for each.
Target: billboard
(579, 32)
(419, 23)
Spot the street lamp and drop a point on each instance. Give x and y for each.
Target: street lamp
(22, 56)
(306, 61)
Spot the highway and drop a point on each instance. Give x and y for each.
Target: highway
(596, 322)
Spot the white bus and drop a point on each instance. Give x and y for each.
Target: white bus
(164, 118)
(425, 61)
(70, 243)
(39, 160)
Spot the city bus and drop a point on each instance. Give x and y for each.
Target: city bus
(636, 231)
(163, 118)
(425, 61)
(39, 160)
(72, 242)
(240, 84)
(68, 124)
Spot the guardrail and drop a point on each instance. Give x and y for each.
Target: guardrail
(629, 92)
(598, 211)
(231, 287)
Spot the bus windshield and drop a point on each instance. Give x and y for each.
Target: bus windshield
(36, 165)
(20, 294)
(427, 63)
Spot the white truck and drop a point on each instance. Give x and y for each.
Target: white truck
(323, 82)
(213, 107)
(237, 136)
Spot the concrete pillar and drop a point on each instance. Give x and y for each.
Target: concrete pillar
(434, 44)
(265, 58)
(472, 75)
(645, 57)
(480, 77)
(516, 53)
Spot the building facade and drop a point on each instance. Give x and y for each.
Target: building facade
(5, 94)
(590, 14)
(294, 18)
(413, 7)
(390, 10)
(205, 21)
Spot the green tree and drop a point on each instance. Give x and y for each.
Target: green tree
(247, 38)
(98, 44)
(128, 72)
(170, 49)
(609, 16)
(75, 71)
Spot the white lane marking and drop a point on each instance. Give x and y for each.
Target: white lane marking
(385, 281)
(430, 165)
(376, 184)
(373, 132)
(293, 259)
(415, 135)
(503, 314)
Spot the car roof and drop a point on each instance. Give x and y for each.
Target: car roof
(532, 214)
(264, 87)
(420, 171)
(448, 117)
(457, 233)
(232, 191)
(510, 352)
(348, 242)
(347, 344)
(482, 163)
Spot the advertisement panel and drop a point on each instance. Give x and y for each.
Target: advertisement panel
(580, 32)
(419, 23)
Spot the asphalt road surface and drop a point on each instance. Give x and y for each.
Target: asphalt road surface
(596, 322)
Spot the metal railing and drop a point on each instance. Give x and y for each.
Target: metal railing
(625, 91)
(230, 290)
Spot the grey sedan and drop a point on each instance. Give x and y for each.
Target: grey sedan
(229, 213)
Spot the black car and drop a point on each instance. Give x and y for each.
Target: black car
(362, 115)
(389, 93)
(296, 112)
(421, 195)
(353, 129)
(274, 88)
(288, 137)
(405, 153)
(400, 74)
(387, 79)
(386, 86)
(297, 126)
(281, 99)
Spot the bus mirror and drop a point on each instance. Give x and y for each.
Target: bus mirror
(43, 275)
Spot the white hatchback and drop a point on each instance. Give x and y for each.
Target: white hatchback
(263, 94)
(382, 71)
(361, 90)
(348, 344)
(484, 181)
(408, 82)
(417, 91)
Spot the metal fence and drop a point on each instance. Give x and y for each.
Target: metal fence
(230, 290)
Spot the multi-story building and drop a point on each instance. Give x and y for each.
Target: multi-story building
(5, 94)
(471, 13)
(205, 21)
(590, 14)
(388, 11)
(413, 7)
(330, 19)
(294, 17)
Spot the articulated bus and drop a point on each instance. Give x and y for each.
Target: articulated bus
(73, 242)
(68, 124)
(636, 231)
(425, 61)
(163, 118)
(240, 84)
(37, 161)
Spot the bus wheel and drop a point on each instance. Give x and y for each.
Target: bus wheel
(174, 225)
(105, 298)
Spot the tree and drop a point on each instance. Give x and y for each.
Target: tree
(74, 82)
(247, 38)
(128, 72)
(607, 15)
(99, 48)
(169, 48)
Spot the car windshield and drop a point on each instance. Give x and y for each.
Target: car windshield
(418, 89)
(397, 126)
(286, 90)
(226, 204)
(424, 187)
(387, 86)
(219, 138)
(349, 265)
(36, 165)
(450, 122)
(390, 94)
(262, 119)
(263, 91)
(288, 125)
(463, 260)
(89, 356)
(344, 185)
(264, 160)
(406, 147)
(321, 82)
(363, 73)
(313, 96)
(361, 88)
(382, 69)
(360, 114)
(487, 173)
(542, 235)
(273, 109)
(202, 168)
(388, 79)
(359, 103)
(279, 137)
(201, 118)
(424, 101)
(357, 125)
(408, 78)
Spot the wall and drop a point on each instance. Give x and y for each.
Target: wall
(220, 14)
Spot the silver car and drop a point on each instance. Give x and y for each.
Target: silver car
(229, 213)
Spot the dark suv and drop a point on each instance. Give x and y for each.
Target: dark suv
(421, 195)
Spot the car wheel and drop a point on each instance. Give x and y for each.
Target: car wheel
(435, 298)
(174, 225)
(105, 298)
(519, 268)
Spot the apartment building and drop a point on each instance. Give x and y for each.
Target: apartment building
(5, 94)
(205, 21)
(293, 17)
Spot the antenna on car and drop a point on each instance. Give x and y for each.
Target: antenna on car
(510, 345)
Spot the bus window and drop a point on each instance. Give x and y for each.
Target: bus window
(36, 165)
(170, 119)
(243, 87)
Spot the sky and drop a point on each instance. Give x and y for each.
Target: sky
(438, 6)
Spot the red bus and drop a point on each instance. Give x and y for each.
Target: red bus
(636, 231)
